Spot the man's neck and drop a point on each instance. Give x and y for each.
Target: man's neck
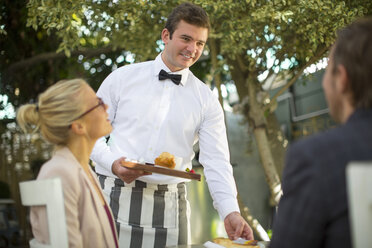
(348, 110)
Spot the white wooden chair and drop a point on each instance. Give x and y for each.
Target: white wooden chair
(47, 192)
(359, 189)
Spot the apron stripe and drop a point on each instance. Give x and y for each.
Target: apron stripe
(159, 207)
(136, 237)
(135, 204)
(101, 180)
(160, 237)
(158, 216)
(147, 216)
(114, 201)
(114, 195)
(118, 183)
(135, 215)
(184, 233)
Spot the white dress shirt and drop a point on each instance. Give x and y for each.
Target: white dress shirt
(151, 116)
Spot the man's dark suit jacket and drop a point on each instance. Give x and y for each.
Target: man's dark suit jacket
(313, 211)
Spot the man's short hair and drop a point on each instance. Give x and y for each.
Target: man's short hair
(353, 50)
(188, 12)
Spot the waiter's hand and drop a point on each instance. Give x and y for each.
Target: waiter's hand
(237, 227)
(125, 174)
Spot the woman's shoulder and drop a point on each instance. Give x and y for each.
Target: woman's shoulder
(67, 170)
(60, 165)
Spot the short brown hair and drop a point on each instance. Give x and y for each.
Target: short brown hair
(188, 12)
(353, 49)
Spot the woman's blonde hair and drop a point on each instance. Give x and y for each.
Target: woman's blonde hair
(54, 112)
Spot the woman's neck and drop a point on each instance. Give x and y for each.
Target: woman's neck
(81, 150)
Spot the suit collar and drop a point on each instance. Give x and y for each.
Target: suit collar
(360, 114)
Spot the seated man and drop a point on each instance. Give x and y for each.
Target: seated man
(313, 211)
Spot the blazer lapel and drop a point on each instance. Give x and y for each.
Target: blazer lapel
(101, 213)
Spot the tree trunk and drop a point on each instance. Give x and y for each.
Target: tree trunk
(239, 76)
(266, 144)
(277, 141)
(258, 122)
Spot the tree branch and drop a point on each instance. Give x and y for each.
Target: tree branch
(294, 79)
(23, 64)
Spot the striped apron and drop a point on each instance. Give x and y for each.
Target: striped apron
(148, 215)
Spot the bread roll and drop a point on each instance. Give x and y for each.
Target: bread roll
(166, 159)
(230, 244)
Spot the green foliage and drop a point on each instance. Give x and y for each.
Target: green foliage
(289, 28)
(131, 25)
(21, 80)
(17, 44)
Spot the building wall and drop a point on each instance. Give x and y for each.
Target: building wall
(302, 109)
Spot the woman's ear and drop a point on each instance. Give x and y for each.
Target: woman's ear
(77, 127)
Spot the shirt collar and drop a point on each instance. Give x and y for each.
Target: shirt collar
(159, 65)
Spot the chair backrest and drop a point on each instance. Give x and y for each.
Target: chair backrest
(47, 192)
(359, 189)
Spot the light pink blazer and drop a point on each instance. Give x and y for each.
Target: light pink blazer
(86, 218)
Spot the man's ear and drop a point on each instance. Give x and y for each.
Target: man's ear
(165, 36)
(342, 79)
(77, 127)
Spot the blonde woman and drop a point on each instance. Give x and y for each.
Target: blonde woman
(71, 116)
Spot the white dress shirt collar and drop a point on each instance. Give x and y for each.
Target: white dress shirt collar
(160, 65)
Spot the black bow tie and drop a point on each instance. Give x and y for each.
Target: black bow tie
(174, 77)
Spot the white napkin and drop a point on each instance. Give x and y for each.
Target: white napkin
(210, 244)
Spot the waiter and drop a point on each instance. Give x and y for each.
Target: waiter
(160, 106)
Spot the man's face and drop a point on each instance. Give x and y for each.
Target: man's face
(185, 47)
(331, 90)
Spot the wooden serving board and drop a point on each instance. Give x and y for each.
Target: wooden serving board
(161, 170)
